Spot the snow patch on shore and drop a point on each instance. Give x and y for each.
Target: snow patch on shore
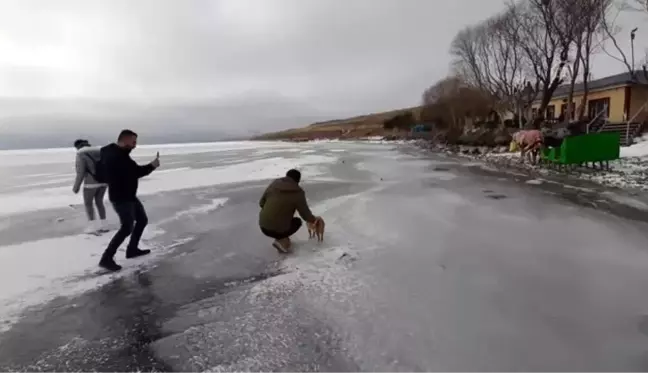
(636, 150)
(626, 172)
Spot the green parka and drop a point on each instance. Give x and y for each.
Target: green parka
(278, 205)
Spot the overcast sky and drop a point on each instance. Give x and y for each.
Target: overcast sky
(222, 66)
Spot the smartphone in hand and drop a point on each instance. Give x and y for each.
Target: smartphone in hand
(156, 161)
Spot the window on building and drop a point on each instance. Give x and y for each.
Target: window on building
(599, 107)
(563, 110)
(551, 112)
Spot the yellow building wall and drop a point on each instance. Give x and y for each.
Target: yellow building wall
(617, 101)
(638, 97)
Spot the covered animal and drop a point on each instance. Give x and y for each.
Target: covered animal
(529, 143)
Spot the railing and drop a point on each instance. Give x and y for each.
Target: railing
(598, 118)
(632, 119)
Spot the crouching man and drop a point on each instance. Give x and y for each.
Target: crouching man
(278, 204)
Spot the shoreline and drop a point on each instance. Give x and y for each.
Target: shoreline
(627, 173)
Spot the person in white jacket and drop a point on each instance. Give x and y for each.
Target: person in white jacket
(93, 191)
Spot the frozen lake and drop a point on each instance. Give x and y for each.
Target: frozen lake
(429, 263)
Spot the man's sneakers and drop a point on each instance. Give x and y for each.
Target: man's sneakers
(277, 245)
(282, 246)
(134, 253)
(110, 265)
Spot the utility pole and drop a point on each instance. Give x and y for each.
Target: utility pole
(632, 38)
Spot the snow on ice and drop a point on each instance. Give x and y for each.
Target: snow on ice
(67, 265)
(164, 180)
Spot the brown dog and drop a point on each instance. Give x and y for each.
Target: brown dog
(316, 229)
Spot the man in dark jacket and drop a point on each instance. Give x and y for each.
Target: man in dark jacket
(122, 175)
(278, 204)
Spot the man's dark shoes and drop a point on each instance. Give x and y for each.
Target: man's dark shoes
(109, 265)
(134, 253)
(280, 247)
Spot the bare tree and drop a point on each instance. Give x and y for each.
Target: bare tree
(533, 41)
(569, 26)
(452, 100)
(545, 43)
(591, 36)
(489, 59)
(439, 98)
(579, 22)
(465, 49)
(611, 30)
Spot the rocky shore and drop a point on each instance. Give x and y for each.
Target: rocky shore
(630, 173)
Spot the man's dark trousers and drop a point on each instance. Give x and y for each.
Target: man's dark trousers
(295, 224)
(133, 219)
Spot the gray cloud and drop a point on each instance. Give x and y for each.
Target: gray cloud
(220, 66)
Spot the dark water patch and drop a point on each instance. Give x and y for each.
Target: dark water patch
(496, 196)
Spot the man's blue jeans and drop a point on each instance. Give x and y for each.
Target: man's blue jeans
(133, 219)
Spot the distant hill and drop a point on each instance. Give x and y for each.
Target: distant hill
(355, 127)
(65, 138)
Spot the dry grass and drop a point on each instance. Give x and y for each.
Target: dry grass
(360, 126)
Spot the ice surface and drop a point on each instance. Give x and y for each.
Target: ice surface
(35, 272)
(193, 211)
(39, 271)
(66, 155)
(418, 271)
(172, 179)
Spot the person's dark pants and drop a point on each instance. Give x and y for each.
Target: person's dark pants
(133, 219)
(295, 224)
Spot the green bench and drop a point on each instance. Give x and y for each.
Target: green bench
(582, 149)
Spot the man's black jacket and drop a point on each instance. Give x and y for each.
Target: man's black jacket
(122, 173)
